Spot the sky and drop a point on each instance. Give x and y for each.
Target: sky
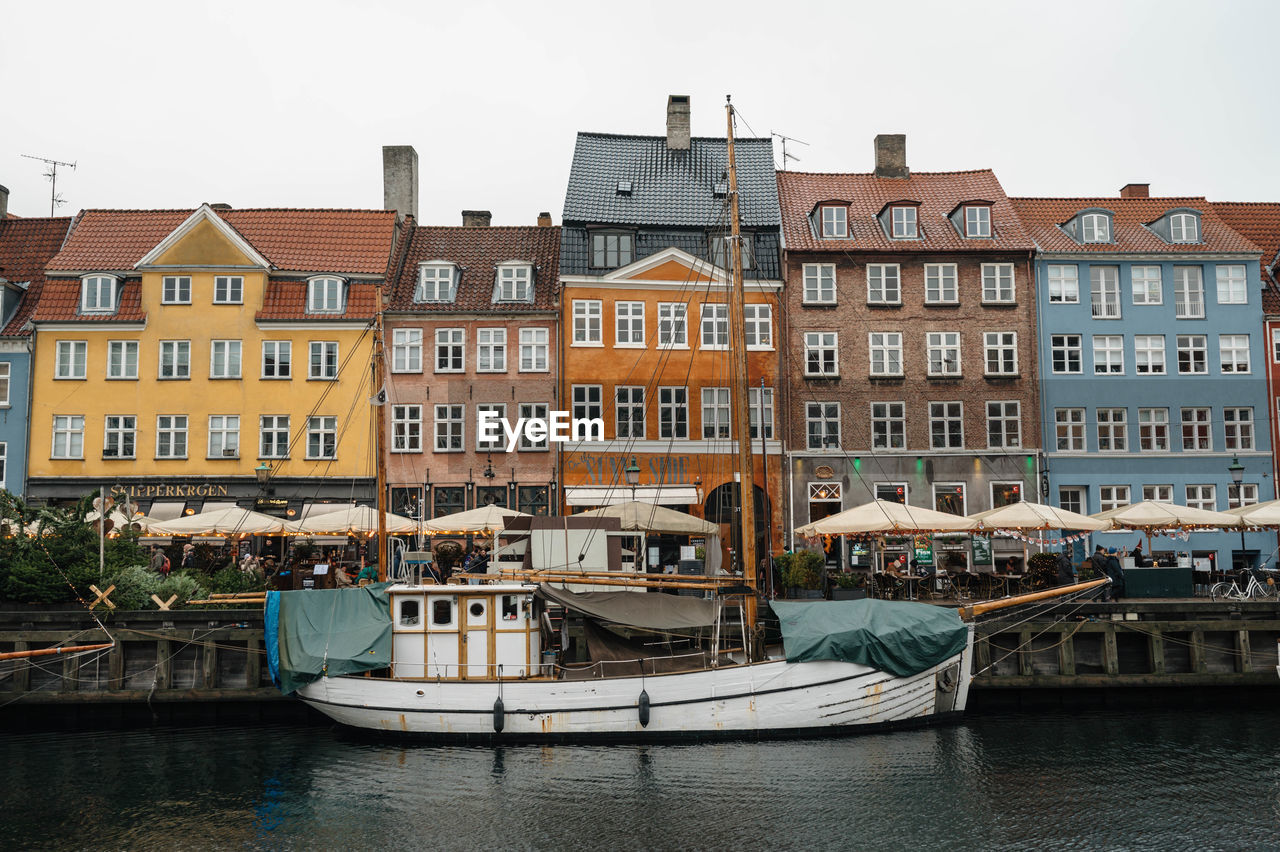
(288, 104)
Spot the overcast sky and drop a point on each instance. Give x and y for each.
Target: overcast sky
(169, 104)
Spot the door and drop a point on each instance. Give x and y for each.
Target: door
(477, 621)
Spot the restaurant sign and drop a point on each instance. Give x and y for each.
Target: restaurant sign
(204, 489)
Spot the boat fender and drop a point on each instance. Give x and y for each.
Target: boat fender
(498, 716)
(644, 708)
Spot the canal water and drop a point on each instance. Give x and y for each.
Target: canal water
(1096, 780)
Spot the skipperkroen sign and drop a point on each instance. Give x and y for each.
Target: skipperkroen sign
(558, 427)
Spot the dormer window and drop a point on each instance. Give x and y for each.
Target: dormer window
(1095, 228)
(977, 223)
(1184, 228)
(514, 283)
(835, 222)
(98, 294)
(609, 250)
(324, 295)
(436, 282)
(624, 187)
(721, 252)
(904, 223)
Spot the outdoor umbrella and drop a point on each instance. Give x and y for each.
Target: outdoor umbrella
(357, 520)
(230, 521)
(1153, 515)
(651, 517)
(1037, 516)
(480, 519)
(887, 517)
(1259, 514)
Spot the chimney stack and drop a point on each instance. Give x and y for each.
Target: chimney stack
(1136, 190)
(476, 218)
(544, 219)
(400, 179)
(891, 156)
(4, 201)
(678, 122)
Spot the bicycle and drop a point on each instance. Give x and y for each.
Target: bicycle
(1252, 589)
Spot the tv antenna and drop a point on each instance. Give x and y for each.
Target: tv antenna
(52, 175)
(785, 140)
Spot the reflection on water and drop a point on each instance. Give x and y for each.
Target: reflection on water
(1057, 781)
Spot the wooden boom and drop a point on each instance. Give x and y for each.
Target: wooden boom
(45, 652)
(1017, 600)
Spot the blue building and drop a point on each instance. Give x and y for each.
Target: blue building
(1152, 363)
(26, 245)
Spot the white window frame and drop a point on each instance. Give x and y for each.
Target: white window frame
(1233, 354)
(1112, 497)
(1003, 345)
(628, 401)
(1237, 424)
(1160, 493)
(1243, 494)
(1179, 232)
(1188, 292)
(514, 283)
(753, 412)
(1063, 343)
(115, 429)
(226, 359)
(673, 325)
(673, 412)
(278, 432)
(441, 278)
(1202, 496)
(1104, 292)
(1196, 424)
(1147, 281)
(834, 222)
(999, 284)
(491, 350)
(1004, 424)
(628, 325)
(1113, 423)
(224, 434)
(529, 411)
(819, 284)
(884, 284)
(94, 285)
(905, 224)
(72, 361)
(1231, 283)
(406, 350)
(118, 354)
(181, 368)
(822, 350)
(938, 345)
(716, 417)
(884, 353)
(587, 401)
(1153, 430)
(329, 363)
(1108, 354)
(68, 430)
(325, 295)
(406, 428)
(823, 414)
(282, 367)
(320, 426)
(1095, 228)
(6, 372)
(758, 319)
(451, 350)
(1072, 498)
(535, 350)
(950, 414)
(1069, 430)
(888, 425)
(1148, 355)
(977, 222)
(713, 323)
(173, 427)
(951, 488)
(1064, 284)
(940, 284)
(228, 289)
(499, 441)
(1193, 344)
(175, 290)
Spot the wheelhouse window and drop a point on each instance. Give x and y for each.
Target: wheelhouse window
(176, 290)
(324, 296)
(228, 290)
(515, 283)
(1184, 228)
(977, 222)
(904, 223)
(835, 222)
(98, 294)
(435, 283)
(610, 249)
(1095, 228)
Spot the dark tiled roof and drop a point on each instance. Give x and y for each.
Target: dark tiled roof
(668, 187)
(287, 300)
(340, 241)
(1259, 223)
(1042, 216)
(26, 245)
(60, 302)
(477, 251)
(938, 194)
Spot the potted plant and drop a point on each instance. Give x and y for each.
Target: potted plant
(801, 573)
(849, 587)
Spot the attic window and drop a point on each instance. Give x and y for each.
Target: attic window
(98, 294)
(1095, 228)
(324, 295)
(514, 283)
(904, 223)
(1184, 228)
(721, 189)
(610, 250)
(624, 187)
(835, 222)
(977, 223)
(436, 283)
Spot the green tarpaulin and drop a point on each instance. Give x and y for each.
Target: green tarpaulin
(332, 632)
(894, 636)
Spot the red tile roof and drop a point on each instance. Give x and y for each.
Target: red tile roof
(1259, 223)
(60, 302)
(327, 240)
(26, 245)
(477, 251)
(938, 194)
(1042, 216)
(287, 300)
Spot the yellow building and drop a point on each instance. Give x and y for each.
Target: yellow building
(183, 357)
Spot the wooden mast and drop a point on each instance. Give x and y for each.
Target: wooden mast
(738, 395)
(379, 433)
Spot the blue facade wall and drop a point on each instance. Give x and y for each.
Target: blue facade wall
(1093, 468)
(14, 417)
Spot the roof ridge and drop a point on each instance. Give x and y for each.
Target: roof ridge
(1111, 198)
(989, 171)
(486, 227)
(657, 137)
(222, 210)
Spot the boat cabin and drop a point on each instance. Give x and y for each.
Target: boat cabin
(460, 632)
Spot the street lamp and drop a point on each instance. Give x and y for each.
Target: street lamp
(1237, 475)
(632, 473)
(263, 472)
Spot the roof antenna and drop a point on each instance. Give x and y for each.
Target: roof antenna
(52, 175)
(785, 140)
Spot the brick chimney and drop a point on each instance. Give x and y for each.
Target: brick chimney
(400, 179)
(678, 122)
(544, 219)
(476, 218)
(891, 156)
(1136, 190)
(4, 201)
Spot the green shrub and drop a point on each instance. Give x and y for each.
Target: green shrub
(233, 581)
(802, 569)
(186, 586)
(134, 587)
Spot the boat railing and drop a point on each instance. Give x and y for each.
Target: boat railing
(598, 670)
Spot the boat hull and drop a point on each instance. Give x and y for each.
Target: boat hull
(770, 699)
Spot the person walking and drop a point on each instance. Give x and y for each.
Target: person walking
(1115, 571)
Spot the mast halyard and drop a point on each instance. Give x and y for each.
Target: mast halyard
(379, 432)
(738, 395)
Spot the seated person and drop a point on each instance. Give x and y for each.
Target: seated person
(368, 572)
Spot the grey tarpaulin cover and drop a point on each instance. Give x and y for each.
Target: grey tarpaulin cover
(331, 632)
(652, 610)
(894, 636)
